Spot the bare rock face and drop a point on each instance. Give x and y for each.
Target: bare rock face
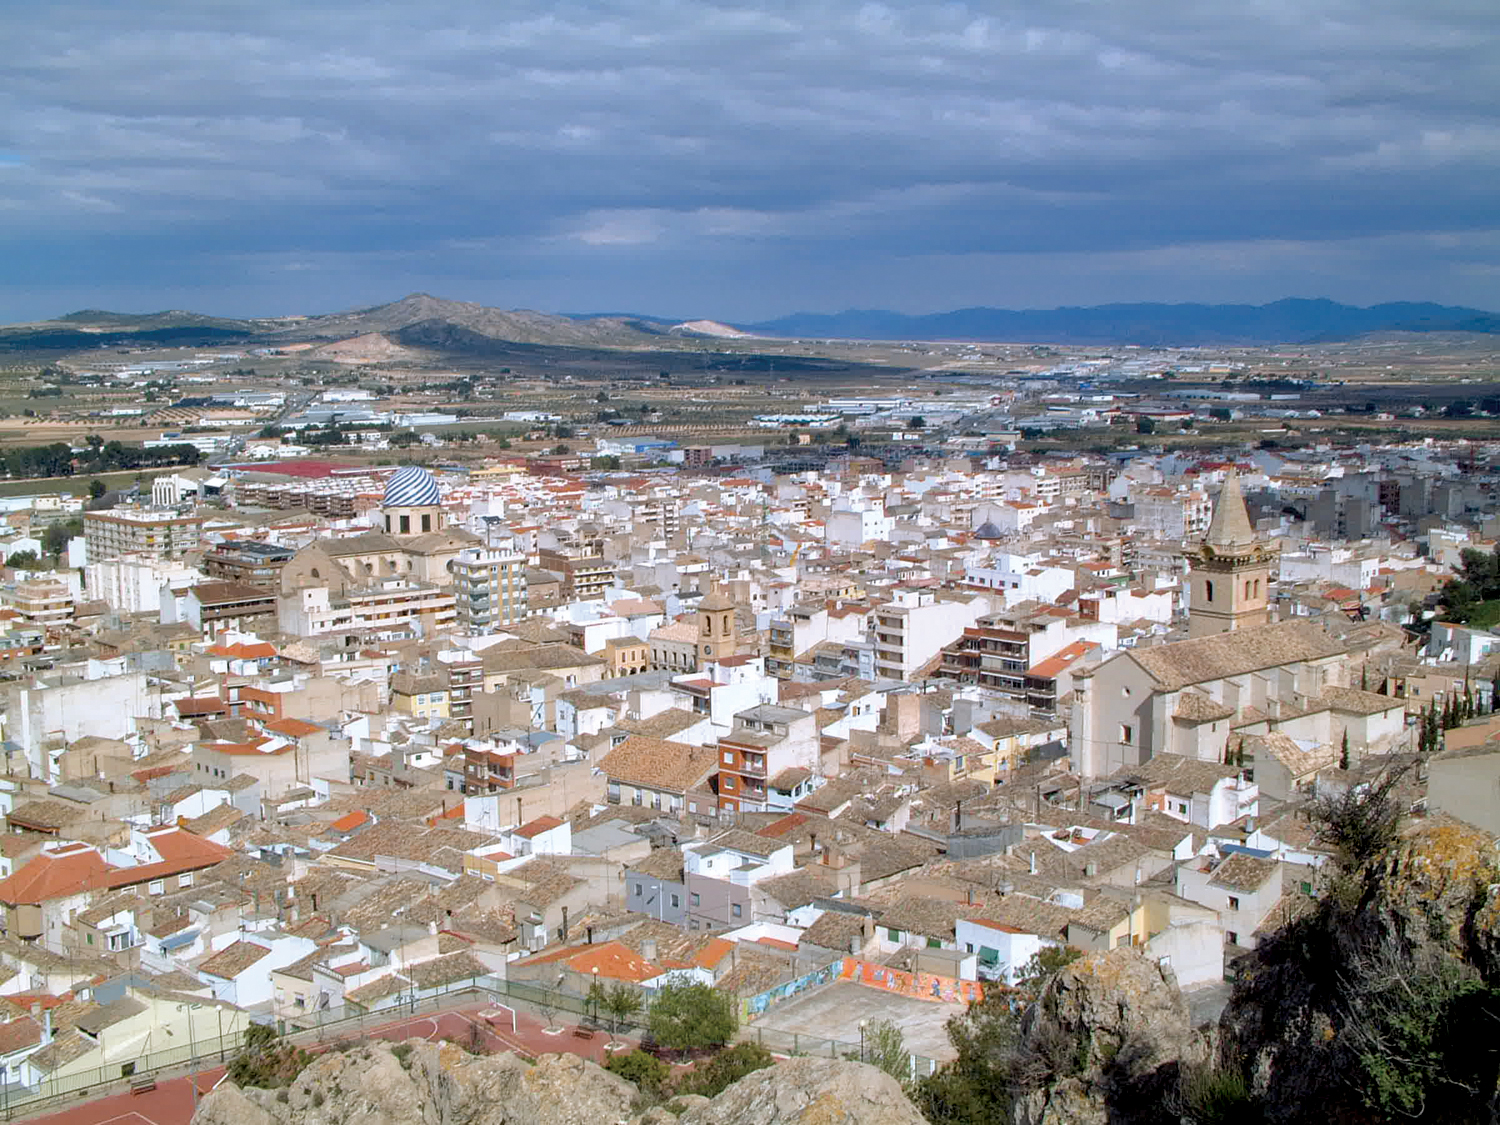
(809, 1092)
(1111, 1030)
(374, 1084)
(377, 1084)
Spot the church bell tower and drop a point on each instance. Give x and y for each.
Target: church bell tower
(1230, 585)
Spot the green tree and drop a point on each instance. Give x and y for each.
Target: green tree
(55, 540)
(606, 463)
(24, 560)
(691, 1017)
(1220, 413)
(1344, 751)
(976, 1087)
(917, 423)
(1145, 426)
(623, 1003)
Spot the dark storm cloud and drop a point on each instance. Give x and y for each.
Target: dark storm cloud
(738, 162)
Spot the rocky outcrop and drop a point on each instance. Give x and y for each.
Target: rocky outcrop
(1111, 1032)
(418, 1082)
(809, 1092)
(1295, 1024)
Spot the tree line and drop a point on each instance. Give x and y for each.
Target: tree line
(98, 456)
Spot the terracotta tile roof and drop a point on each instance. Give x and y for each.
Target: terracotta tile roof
(662, 863)
(46, 814)
(535, 828)
(614, 959)
(657, 764)
(446, 969)
(1201, 659)
(294, 728)
(54, 873)
(1241, 872)
(234, 959)
(350, 821)
(17, 1035)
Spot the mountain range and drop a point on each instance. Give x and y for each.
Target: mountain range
(434, 324)
(1287, 321)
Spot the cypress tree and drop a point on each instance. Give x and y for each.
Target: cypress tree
(1344, 751)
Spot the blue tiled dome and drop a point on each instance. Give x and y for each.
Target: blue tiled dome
(411, 487)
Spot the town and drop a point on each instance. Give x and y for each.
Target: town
(326, 695)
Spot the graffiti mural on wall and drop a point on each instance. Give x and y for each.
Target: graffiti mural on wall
(919, 986)
(757, 1005)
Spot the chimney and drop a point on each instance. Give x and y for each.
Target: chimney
(565, 924)
(432, 927)
(1090, 870)
(1032, 867)
(648, 950)
(47, 1026)
(591, 935)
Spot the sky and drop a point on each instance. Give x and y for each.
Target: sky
(690, 159)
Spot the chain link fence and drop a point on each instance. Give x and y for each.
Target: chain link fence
(337, 1025)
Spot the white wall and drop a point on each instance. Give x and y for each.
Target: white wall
(1194, 950)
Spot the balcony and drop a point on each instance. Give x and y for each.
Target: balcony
(753, 765)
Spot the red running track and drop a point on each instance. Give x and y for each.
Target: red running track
(173, 1101)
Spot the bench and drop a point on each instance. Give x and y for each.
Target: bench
(582, 1032)
(142, 1085)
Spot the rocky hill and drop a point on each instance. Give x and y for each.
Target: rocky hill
(441, 1084)
(465, 320)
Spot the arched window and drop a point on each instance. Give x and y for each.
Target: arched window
(726, 623)
(1208, 587)
(369, 568)
(1247, 587)
(314, 573)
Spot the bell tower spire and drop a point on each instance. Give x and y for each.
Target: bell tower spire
(1230, 585)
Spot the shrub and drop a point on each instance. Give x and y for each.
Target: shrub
(266, 1061)
(1217, 1097)
(647, 1072)
(725, 1069)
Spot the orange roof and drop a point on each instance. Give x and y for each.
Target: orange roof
(242, 651)
(615, 961)
(781, 827)
(777, 943)
(351, 822)
(70, 869)
(246, 748)
(292, 728)
(1059, 661)
(536, 827)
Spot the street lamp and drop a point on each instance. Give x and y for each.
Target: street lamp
(594, 992)
(862, 1040)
